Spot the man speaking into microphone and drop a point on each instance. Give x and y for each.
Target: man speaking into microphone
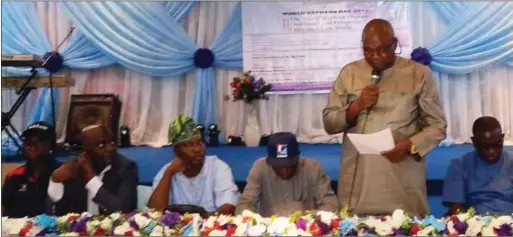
(378, 92)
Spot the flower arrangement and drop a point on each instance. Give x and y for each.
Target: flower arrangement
(304, 223)
(247, 88)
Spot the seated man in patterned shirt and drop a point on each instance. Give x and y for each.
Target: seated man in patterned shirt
(193, 178)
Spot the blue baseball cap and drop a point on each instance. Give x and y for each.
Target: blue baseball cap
(282, 149)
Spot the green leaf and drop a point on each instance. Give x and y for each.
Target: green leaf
(471, 211)
(344, 213)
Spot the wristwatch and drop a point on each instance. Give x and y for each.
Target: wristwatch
(413, 149)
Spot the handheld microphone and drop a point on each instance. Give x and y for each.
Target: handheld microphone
(375, 77)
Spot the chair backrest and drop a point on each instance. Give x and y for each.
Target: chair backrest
(143, 195)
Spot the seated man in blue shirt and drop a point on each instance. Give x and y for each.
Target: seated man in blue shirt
(481, 179)
(193, 178)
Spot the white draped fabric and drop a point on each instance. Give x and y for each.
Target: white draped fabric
(150, 103)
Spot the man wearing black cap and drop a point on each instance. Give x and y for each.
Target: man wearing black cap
(24, 191)
(283, 183)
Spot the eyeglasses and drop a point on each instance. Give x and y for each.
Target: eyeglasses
(104, 144)
(380, 50)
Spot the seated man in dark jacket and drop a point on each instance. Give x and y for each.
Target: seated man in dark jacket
(24, 190)
(99, 181)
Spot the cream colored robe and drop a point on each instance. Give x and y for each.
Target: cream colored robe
(268, 194)
(409, 104)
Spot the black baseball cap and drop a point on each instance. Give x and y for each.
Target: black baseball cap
(41, 130)
(282, 149)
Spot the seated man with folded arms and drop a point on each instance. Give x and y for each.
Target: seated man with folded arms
(482, 179)
(99, 181)
(283, 183)
(193, 178)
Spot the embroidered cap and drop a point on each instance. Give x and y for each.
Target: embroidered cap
(282, 149)
(40, 129)
(181, 129)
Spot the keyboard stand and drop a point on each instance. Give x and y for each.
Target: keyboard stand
(24, 91)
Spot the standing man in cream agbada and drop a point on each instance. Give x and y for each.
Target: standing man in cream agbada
(406, 100)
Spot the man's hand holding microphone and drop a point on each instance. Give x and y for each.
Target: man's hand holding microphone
(368, 98)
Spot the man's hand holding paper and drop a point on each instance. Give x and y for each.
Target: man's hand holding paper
(373, 143)
(400, 151)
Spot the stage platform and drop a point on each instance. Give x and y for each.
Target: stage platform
(240, 159)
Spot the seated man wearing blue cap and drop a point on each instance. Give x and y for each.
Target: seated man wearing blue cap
(283, 183)
(193, 178)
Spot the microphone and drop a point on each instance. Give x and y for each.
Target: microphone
(375, 77)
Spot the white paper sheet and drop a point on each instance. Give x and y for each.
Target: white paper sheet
(373, 143)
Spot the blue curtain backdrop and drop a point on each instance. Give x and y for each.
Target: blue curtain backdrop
(148, 38)
(23, 33)
(478, 34)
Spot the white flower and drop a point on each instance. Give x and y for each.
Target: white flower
(217, 233)
(157, 231)
(141, 220)
(114, 216)
(242, 229)
(292, 230)
(64, 218)
(238, 220)
(475, 225)
(257, 230)
(278, 226)
(258, 218)
(326, 217)
(69, 234)
(397, 218)
(209, 223)
(196, 219)
(169, 232)
(136, 233)
(501, 220)
(106, 224)
(154, 214)
(84, 214)
(120, 230)
(15, 225)
(488, 231)
(92, 225)
(383, 229)
(223, 219)
(372, 222)
(463, 217)
(450, 227)
(426, 231)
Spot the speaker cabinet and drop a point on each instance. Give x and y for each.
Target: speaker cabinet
(88, 109)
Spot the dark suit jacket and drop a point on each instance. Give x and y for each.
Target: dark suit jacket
(118, 192)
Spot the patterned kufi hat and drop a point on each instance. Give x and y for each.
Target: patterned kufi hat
(181, 129)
